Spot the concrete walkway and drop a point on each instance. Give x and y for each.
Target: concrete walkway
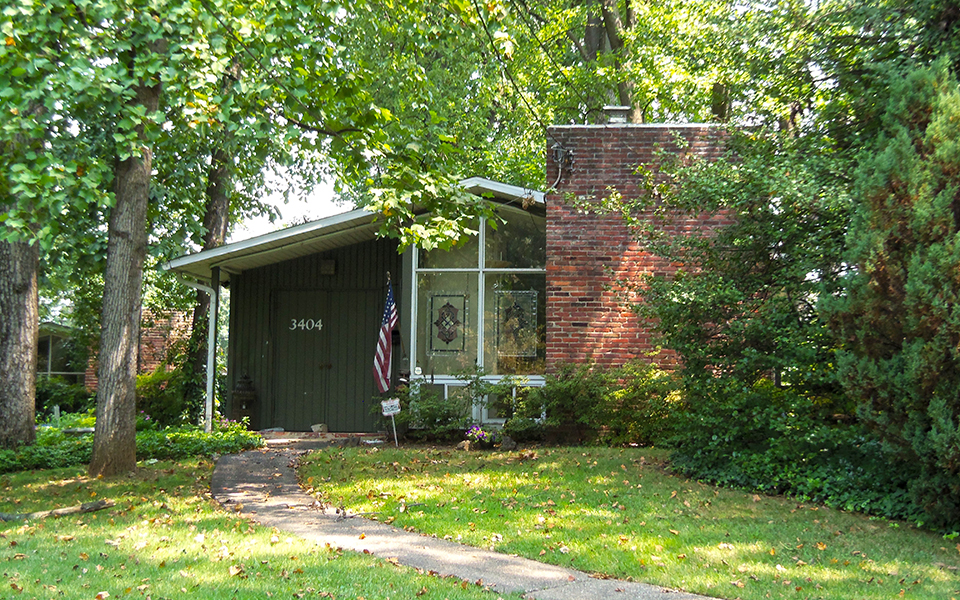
(262, 485)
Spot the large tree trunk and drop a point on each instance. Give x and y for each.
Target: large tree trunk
(19, 323)
(115, 442)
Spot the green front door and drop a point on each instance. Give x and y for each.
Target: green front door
(302, 363)
(324, 343)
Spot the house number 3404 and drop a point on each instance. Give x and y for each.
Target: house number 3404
(306, 325)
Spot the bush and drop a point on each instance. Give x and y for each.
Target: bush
(70, 397)
(635, 403)
(425, 413)
(161, 396)
(56, 449)
(228, 437)
(773, 440)
(638, 404)
(569, 397)
(524, 429)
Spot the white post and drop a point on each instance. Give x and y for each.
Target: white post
(211, 348)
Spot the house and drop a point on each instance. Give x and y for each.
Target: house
(159, 333)
(55, 358)
(306, 302)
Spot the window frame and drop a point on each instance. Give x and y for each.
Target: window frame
(481, 271)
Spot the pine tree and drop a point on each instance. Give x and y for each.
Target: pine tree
(901, 313)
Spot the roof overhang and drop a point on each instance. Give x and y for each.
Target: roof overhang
(324, 234)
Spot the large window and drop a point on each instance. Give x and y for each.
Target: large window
(483, 304)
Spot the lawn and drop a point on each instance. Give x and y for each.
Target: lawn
(619, 513)
(166, 538)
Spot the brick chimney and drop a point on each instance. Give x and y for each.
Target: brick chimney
(589, 317)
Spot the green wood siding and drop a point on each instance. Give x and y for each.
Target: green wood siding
(303, 374)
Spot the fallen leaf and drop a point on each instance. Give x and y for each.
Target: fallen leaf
(362, 536)
(235, 570)
(821, 546)
(102, 595)
(674, 532)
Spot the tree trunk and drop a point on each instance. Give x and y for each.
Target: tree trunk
(115, 442)
(19, 327)
(216, 220)
(614, 27)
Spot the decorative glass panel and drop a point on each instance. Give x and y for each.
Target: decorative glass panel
(446, 322)
(447, 315)
(516, 323)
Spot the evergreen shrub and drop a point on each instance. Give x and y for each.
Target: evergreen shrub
(773, 440)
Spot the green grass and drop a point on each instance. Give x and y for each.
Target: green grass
(165, 538)
(618, 513)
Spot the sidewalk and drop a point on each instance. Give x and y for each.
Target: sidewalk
(262, 484)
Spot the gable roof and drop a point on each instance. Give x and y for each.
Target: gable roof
(324, 234)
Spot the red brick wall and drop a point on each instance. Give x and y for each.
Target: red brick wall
(158, 332)
(587, 252)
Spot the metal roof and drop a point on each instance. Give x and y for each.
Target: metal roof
(340, 230)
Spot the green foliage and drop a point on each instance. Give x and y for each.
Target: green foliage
(524, 429)
(636, 404)
(900, 311)
(775, 440)
(70, 397)
(744, 304)
(55, 448)
(426, 413)
(187, 441)
(639, 405)
(567, 398)
(161, 396)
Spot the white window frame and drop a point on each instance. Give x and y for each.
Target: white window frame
(449, 381)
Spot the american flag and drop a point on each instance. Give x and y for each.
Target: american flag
(383, 356)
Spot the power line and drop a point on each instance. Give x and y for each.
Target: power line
(509, 75)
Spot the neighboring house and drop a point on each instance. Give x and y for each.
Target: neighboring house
(306, 302)
(54, 355)
(159, 332)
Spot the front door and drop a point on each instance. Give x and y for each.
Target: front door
(302, 363)
(324, 343)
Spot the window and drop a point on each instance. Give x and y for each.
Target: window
(484, 303)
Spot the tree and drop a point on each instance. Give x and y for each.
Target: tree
(18, 341)
(899, 316)
(42, 178)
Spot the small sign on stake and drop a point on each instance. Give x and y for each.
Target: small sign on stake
(391, 407)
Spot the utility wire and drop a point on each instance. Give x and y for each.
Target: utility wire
(524, 10)
(506, 71)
